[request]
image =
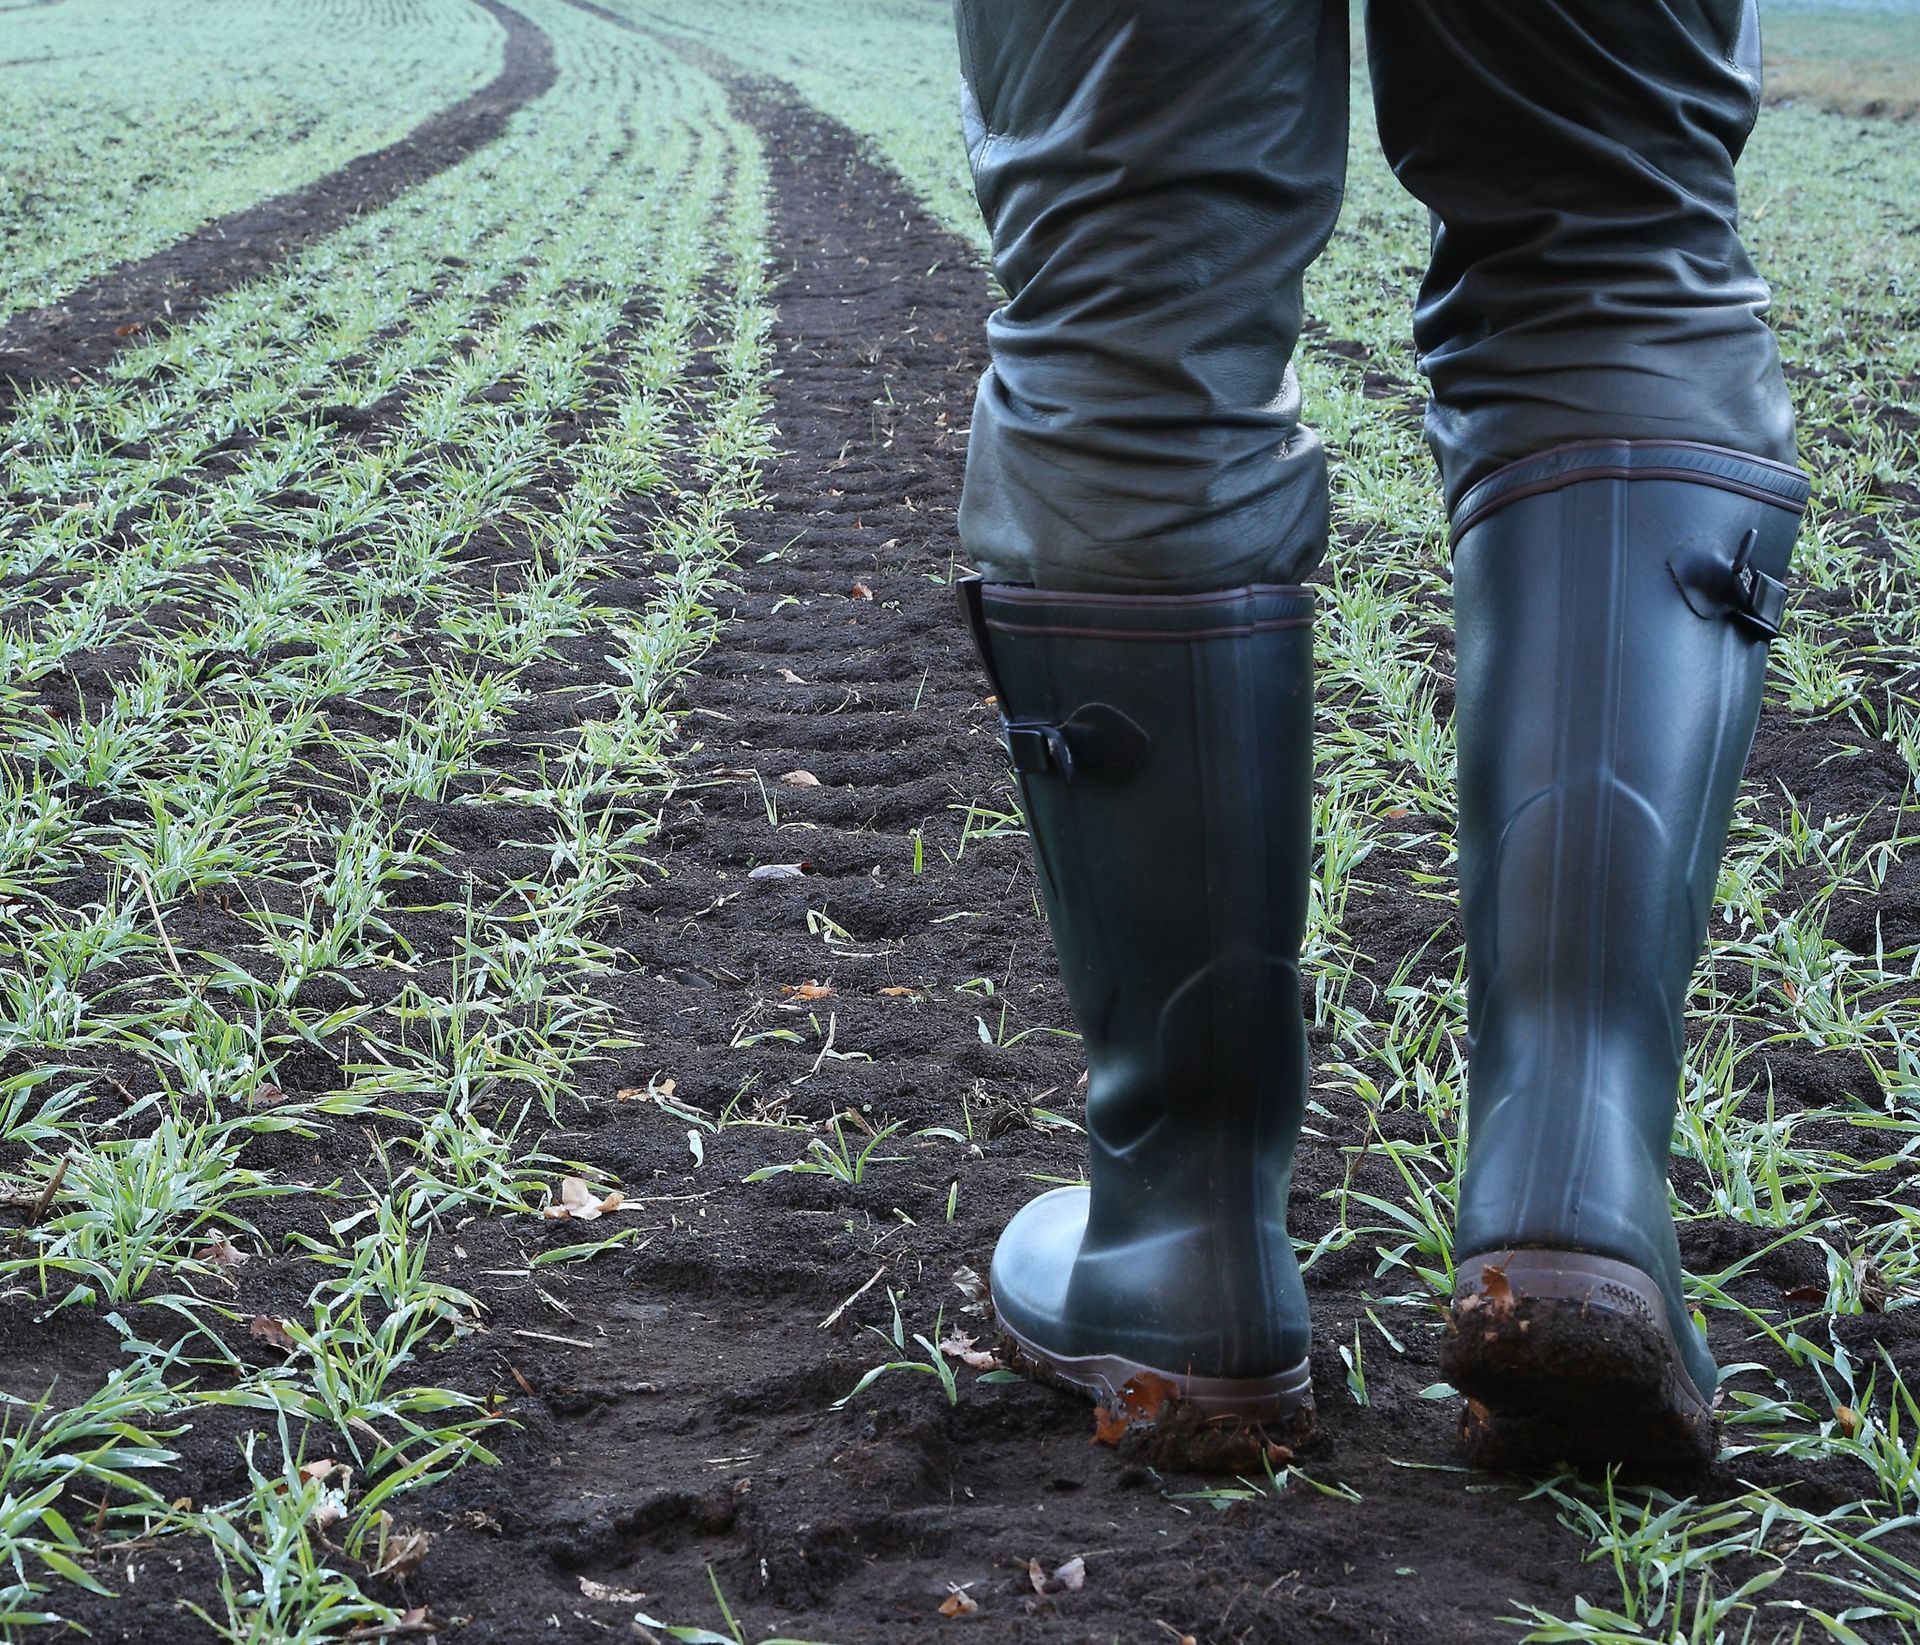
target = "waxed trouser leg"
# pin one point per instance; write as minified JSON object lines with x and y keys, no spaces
{"x":1587,"y":279}
{"x":1156,"y":176}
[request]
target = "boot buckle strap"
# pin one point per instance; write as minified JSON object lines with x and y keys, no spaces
{"x":1038,"y":749}
{"x":1761,"y":601}
{"x":1741,"y":592}
{"x":1095,"y":738}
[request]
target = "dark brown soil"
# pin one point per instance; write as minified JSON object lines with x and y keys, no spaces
{"x":127,"y":304}
{"x":671,"y":1403}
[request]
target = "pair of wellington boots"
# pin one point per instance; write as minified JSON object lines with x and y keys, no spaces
{"x":1613,"y":601}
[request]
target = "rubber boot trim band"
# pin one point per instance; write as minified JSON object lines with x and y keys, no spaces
{"x":1027,"y":594}
{"x":1231,"y":632}
{"x":1760,"y":478}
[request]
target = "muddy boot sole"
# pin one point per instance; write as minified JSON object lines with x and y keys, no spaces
{"x":1206,"y":1424}
{"x":1567,"y":1357}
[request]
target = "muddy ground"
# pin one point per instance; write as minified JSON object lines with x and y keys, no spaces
{"x":669,"y":1406}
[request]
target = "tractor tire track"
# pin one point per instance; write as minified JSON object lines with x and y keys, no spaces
{"x":82,"y":331}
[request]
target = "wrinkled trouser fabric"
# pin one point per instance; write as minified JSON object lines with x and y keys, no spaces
{"x":1158,"y":177}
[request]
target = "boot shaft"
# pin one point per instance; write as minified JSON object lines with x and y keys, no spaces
{"x":1163,"y":751}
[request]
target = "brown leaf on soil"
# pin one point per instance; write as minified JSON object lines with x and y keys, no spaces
{"x":1109,"y":1426}
{"x":225,"y":1255}
{"x":415,"y":1621}
{"x":267,"y":1095}
{"x":633,"y":1093}
{"x":898,"y":993}
{"x":273,"y":1332}
{"x":800,"y":779}
{"x":320,"y":1468}
{"x":579,"y":1202}
{"x":526,"y":1387}
{"x":608,"y":1594}
{"x":406,"y":1550}
{"x":1805,"y":1293}
{"x":1145,"y":1396}
{"x":860,"y":591}
{"x":956,"y":1344}
{"x":808,"y":990}
{"x":1848,"y":1418}
{"x":959,"y":1603}
{"x":972,"y":1286}
{"x":132,"y":328}
{"x":1069,"y":1578}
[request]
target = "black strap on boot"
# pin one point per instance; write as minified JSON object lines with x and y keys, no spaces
{"x":1095,"y":739}
{"x":1714,"y":586}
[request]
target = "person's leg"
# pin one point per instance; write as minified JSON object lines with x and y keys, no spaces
{"x":1156,"y":176}
{"x":1587,"y":279}
{"x":1611,"y":427}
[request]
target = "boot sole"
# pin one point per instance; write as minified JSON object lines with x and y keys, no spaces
{"x":1281,"y":1403}
{"x":1568,"y":1357}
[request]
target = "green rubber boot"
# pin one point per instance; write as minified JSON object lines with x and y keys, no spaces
{"x":1164,"y":755}
{"x":1613,"y":601}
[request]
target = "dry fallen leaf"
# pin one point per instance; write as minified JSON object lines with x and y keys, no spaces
{"x":956,"y":1344}
{"x":633,"y":1093}
{"x":972,"y":1286}
{"x":959,"y":1603}
{"x":273,"y":1332}
{"x":1148,"y":1394}
{"x":225,"y":1255}
{"x":1069,"y":1578}
{"x":1497,"y":1289}
{"x":800,"y":779}
{"x":318,"y":1469}
{"x":606,"y":1592}
{"x":860,"y":591}
{"x":579,"y":1202}
{"x":267,"y":1095}
{"x":1109,"y":1426}
{"x":808,"y":990}
{"x":1848,"y":1418}
{"x":898,"y":993}
{"x":406,"y":1548}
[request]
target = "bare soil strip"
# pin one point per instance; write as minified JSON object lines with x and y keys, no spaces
{"x":82,"y":332}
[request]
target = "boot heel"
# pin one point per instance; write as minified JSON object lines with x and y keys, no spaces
{"x":1565,"y":1356}
{"x":1282,"y":1403}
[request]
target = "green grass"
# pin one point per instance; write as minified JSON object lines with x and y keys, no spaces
{"x":128,"y":123}
{"x":328,"y":641}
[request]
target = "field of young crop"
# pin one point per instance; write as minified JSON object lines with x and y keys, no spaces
{"x":522,"y":1000}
